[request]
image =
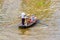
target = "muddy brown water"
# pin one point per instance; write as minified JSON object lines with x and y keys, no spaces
{"x":47,"y":29}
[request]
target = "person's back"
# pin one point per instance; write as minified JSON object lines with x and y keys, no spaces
{"x":23,"y":15}
{"x":32,"y":18}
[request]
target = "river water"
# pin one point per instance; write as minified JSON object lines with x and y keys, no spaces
{"x":44,"y":30}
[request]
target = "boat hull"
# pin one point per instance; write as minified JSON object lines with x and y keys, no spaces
{"x":27,"y":26}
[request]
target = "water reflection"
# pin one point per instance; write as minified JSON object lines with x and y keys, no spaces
{"x":24,"y":31}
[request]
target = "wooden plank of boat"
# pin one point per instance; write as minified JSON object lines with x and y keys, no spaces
{"x":27,"y":26}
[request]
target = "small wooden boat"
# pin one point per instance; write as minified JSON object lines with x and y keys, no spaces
{"x":29,"y":25}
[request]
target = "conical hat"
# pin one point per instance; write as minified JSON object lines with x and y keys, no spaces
{"x":23,"y":13}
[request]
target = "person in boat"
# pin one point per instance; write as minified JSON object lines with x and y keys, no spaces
{"x":23,"y":18}
{"x":30,"y":19}
{"x":27,"y":19}
{"x":33,"y":18}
